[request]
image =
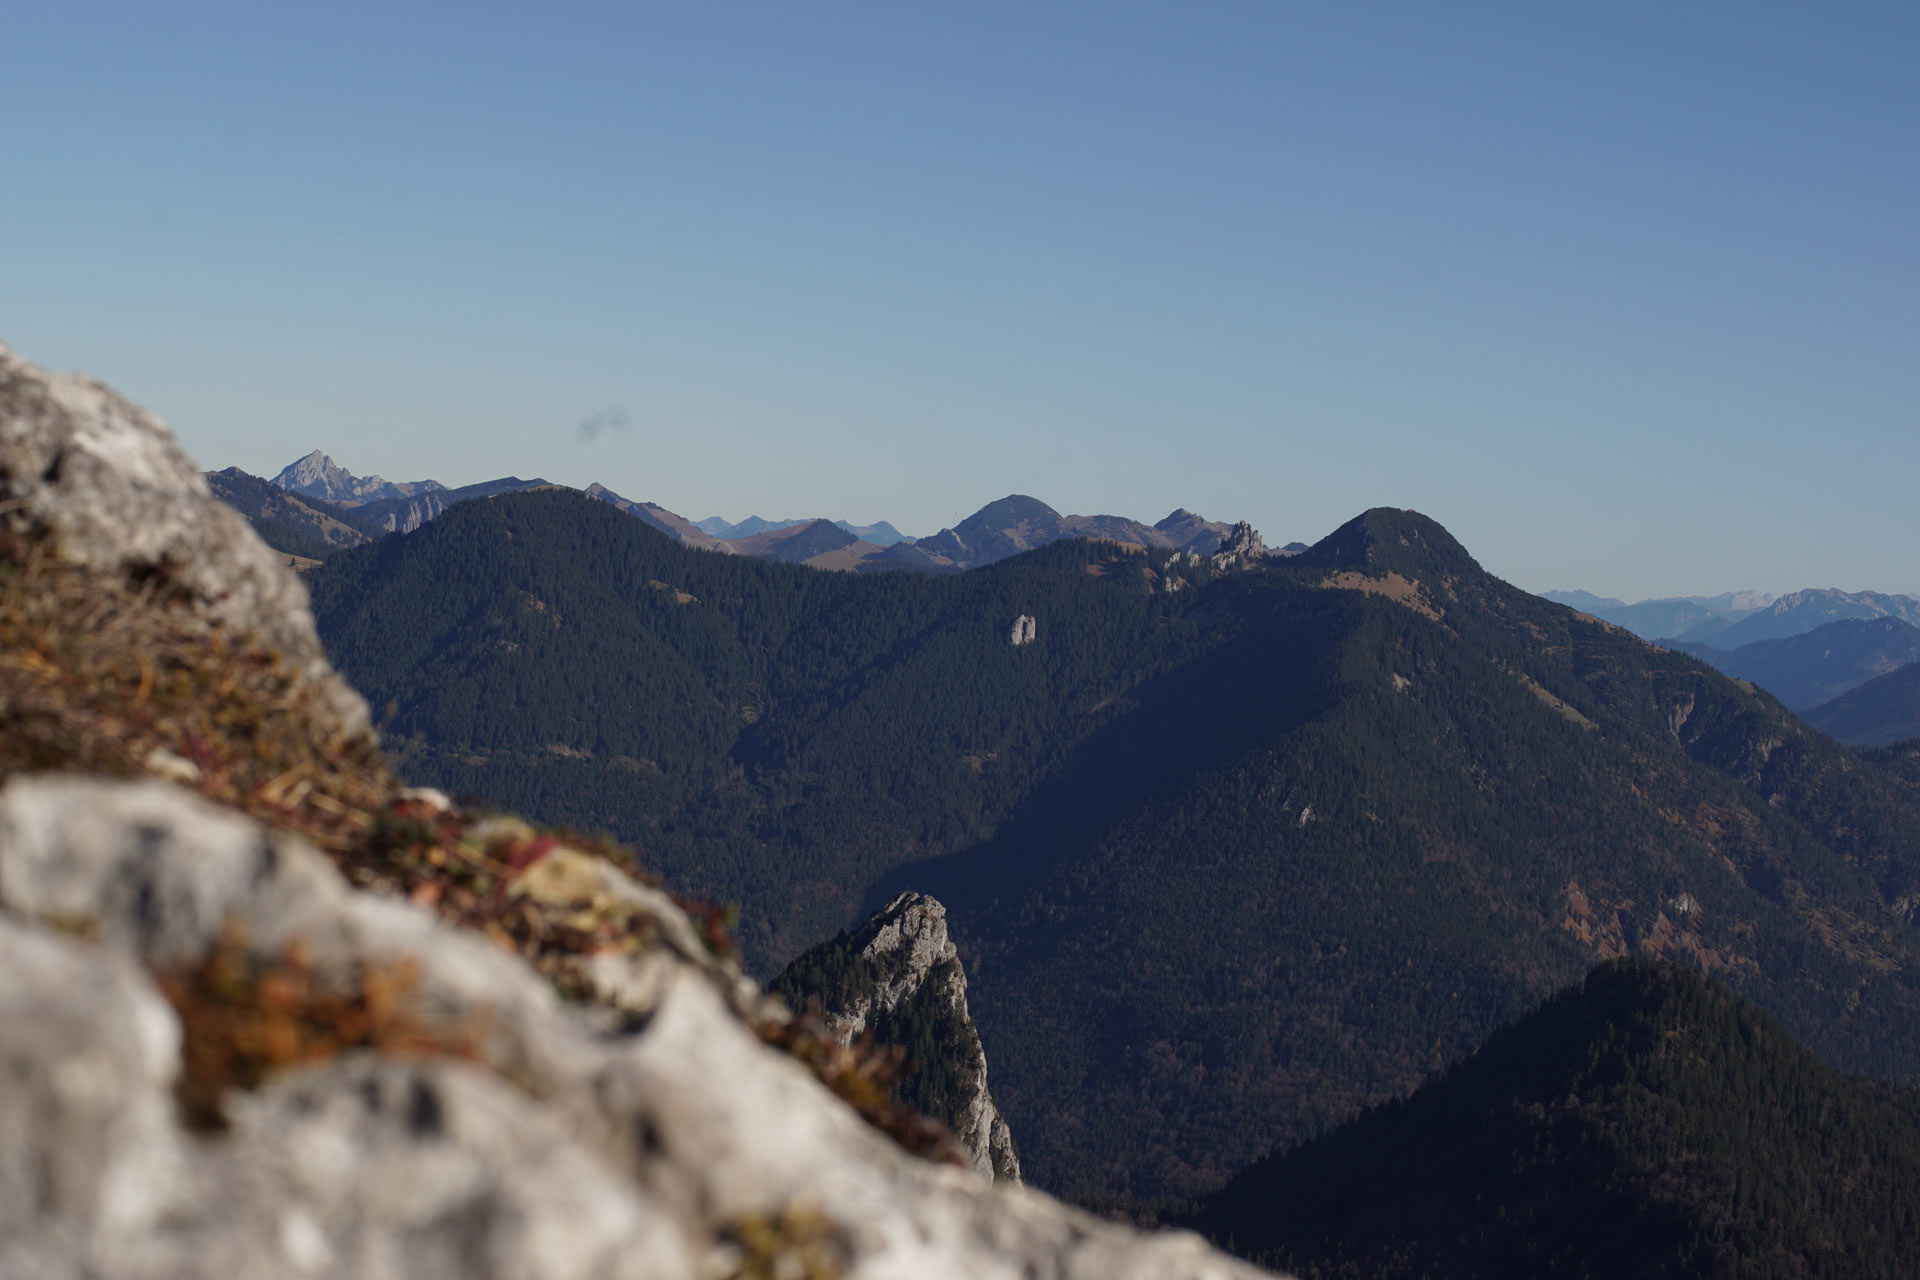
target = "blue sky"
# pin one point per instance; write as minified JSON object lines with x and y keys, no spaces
{"x":1627,"y":296}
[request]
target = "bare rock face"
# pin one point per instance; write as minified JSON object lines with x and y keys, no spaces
{"x":1242,"y":548}
{"x":666,"y":1142}
{"x":318,"y":476}
{"x":1023,"y":631}
{"x":899,"y":977}
{"x":102,"y":483}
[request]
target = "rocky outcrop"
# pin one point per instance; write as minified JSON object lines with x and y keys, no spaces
{"x":360,"y":1034}
{"x":1191,"y":532}
{"x":1242,"y":548}
{"x":318,"y":476}
{"x":525,"y":1137}
{"x":99,"y":483}
{"x":899,"y":978}
{"x":1023,"y":631}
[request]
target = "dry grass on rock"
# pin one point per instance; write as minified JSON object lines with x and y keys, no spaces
{"x":125,"y":679}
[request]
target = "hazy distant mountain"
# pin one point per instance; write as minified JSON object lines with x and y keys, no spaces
{"x":881,"y":534}
{"x":286,"y":521}
{"x":1802,"y":611}
{"x":1190,"y":531}
{"x":1882,"y":711}
{"x":318,"y":476}
{"x":1646,"y":1122}
{"x":801,"y":543}
{"x":746,"y":528}
{"x":1696,"y":617}
{"x":1584,"y":601}
{"x":1806,"y":670}
{"x":376,"y":507}
{"x":1019,"y":523}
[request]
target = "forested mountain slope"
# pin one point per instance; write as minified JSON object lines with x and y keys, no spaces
{"x":1227,"y":862}
{"x":285,"y":520}
{"x":777,"y":735}
{"x":1882,"y":711}
{"x":1817,"y":666}
{"x":1643,"y":1123}
{"x":1393,"y":817}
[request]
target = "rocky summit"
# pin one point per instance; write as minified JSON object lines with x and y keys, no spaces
{"x":318,"y":476}
{"x":266,"y":1012}
{"x":898,"y":979}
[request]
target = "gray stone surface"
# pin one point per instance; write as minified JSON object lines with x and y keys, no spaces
{"x":1242,"y":548}
{"x":361,"y":1167}
{"x":104,"y":479}
{"x":592,"y":1146}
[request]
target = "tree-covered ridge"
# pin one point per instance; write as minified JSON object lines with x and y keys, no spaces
{"x":1882,"y":711}
{"x":1227,"y":863}
{"x":780,"y":735}
{"x":1644,"y":1122}
{"x":286,"y":521}
{"x":1377,"y":836}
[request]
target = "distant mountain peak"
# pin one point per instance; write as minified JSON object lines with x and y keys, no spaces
{"x":319,"y":476}
{"x":1389,"y":540}
{"x":1015,"y":508}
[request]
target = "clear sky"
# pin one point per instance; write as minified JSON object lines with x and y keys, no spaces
{"x":1627,"y":296}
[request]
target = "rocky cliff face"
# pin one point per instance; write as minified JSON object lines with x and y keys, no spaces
{"x":1241,"y":548}
{"x":899,"y":978}
{"x":318,"y":476}
{"x":263,"y":1012}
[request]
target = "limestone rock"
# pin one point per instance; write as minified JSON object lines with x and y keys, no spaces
{"x":1242,"y":548}
{"x":664,"y":1144}
{"x":361,"y":1167}
{"x":102,"y":482}
{"x":1023,"y":632}
{"x":901,"y":974}
{"x":318,"y":476}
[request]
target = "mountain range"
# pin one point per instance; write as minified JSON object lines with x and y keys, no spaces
{"x":1018,"y":523}
{"x":1231,"y":850}
{"x":318,"y":476}
{"x":1881,"y":712}
{"x":1233,"y":847}
{"x":310,"y":529}
{"x":1737,"y":618}
{"x":1817,"y":666}
{"x":880,"y":535}
{"x":321,"y":495}
{"x":1670,"y":616}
